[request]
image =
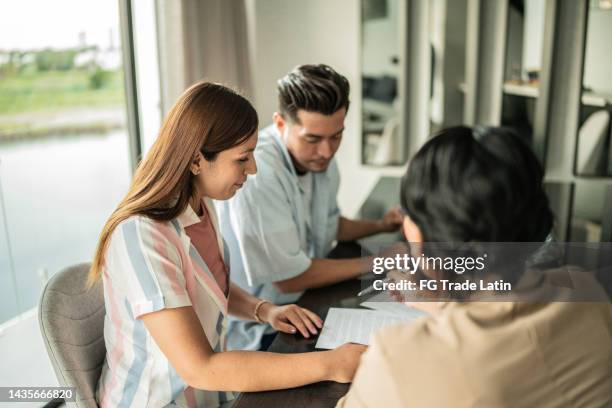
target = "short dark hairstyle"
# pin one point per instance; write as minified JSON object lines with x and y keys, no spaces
{"x":313,"y":88}
{"x":482,"y":184}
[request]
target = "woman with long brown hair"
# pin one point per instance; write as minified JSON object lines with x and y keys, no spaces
{"x":166,"y":285}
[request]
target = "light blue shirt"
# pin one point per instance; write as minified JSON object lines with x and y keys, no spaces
{"x":271,"y":234}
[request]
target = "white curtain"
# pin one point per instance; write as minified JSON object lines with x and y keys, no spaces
{"x":202,"y":39}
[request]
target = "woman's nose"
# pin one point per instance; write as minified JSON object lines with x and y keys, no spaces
{"x":251,"y":167}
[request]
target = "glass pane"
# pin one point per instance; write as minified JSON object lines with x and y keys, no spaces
{"x":560,"y":197}
{"x":588,"y":214}
{"x":380,"y":43}
{"x":63,"y":140}
{"x":9,"y":305}
{"x":523,"y":64}
{"x":448,"y":21}
{"x":593,"y":155}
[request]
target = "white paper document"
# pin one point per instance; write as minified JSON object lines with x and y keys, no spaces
{"x":353,"y":326}
{"x":384,"y":303}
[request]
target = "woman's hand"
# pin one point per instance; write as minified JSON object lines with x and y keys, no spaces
{"x":344,"y":362}
{"x":288,"y":318}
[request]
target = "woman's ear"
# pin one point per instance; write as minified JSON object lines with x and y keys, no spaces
{"x":195,"y":164}
{"x":412,"y":231}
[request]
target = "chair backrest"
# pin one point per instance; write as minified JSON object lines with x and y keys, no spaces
{"x":71,"y":320}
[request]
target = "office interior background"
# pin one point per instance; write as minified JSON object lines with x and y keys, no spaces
{"x":84,"y":86}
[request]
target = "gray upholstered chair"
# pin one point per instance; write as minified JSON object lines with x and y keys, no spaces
{"x":72,"y":324}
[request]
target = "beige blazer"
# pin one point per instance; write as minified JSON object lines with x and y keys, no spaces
{"x":491,"y":354}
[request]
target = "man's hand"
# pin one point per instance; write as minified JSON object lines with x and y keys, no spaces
{"x":392,"y":220}
{"x":429,"y":307}
{"x":345,"y":360}
{"x":289,"y":317}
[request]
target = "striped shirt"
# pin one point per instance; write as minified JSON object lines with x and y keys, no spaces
{"x":151,"y":266}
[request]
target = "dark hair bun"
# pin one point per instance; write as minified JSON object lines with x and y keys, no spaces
{"x":460,"y":189}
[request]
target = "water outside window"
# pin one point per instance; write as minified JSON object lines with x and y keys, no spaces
{"x":63,"y":140}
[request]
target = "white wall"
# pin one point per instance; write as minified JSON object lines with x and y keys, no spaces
{"x":292,"y":32}
{"x":598,"y":58}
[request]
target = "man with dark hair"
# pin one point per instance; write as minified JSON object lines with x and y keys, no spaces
{"x":283,"y":223}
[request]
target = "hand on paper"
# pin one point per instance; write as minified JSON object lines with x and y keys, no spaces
{"x":291,"y":318}
{"x":430,"y":307}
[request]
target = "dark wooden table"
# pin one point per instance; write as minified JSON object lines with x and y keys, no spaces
{"x":319,"y":395}
{"x":384,"y":196}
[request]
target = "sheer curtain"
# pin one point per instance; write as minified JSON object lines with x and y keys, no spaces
{"x":202,"y":39}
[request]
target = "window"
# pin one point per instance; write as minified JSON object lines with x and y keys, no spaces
{"x":64,"y":161}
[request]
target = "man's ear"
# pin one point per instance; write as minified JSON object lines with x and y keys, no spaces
{"x":195,"y":165}
{"x":279,"y":122}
